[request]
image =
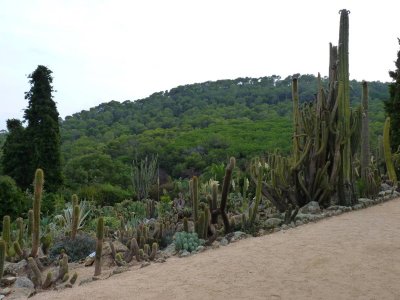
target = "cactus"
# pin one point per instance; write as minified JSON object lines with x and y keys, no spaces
{"x":63,"y":269}
{"x":65,"y":277}
{"x":21,"y":227}
{"x":254,"y":211}
{"x":154,"y":249}
{"x":119,"y":259}
{"x":187,"y":241}
{"x":388,"y":153}
{"x":7,"y":233}
{"x":224,"y":196}
{"x":48,"y":281}
{"x":75,"y":221}
{"x":3,"y":248}
{"x":135,"y":249}
{"x":99,"y":246}
{"x":18,"y":250}
{"x":200,"y":225}
{"x":195,"y":201}
{"x":37,"y":274}
{"x":73,"y":278}
{"x":38,"y":183}
{"x":46,"y":241}
{"x":185,"y":224}
{"x":30,"y":223}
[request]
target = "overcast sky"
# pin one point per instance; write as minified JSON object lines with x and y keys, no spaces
{"x":119,"y":50}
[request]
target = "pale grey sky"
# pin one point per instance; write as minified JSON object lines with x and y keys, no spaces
{"x":119,"y":50}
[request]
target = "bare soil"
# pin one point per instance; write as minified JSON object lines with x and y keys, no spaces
{"x":352,"y":256}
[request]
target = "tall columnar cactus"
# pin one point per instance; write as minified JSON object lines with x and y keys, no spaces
{"x":38,"y":184}
{"x":346,"y":193}
{"x":3,"y":247}
{"x":75,"y":221}
{"x":364,"y":133}
{"x":391,"y":172}
{"x":99,"y":246}
{"x":224,"y":197}
{"x":7,"y":232}
{"x":21,"y":227}
{"x":254,"y":211}
{"x":30,"y":223}
{"x":195,"y":201}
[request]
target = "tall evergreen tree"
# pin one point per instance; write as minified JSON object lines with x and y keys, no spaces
{"x":42,"y":131}
{"x":392,"y":106}
{"x":15,"y":159}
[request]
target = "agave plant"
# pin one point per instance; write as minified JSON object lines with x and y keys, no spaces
{"x":65,"y":220}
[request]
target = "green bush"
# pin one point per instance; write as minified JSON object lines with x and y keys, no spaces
{"x":77,"y":249}
{"x":113,"y":223}
{"x":103,"y":194}
{"x":131,"y":209}
{"x":13,"y":201}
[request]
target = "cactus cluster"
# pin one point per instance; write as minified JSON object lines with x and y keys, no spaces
{"x":187,"y":241}
{"x":326,"y":138}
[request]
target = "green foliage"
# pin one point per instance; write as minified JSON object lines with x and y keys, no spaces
{"x":13,"y":201}
{"x":15,"y":161}
{"x":42,"y":132}
{"x":103,"y":194}
{"x":164,"y":206}
{"x":76,"y":249}
{"x":392,"y":105}
{"x":113,"y":223}
{"x":194,"y":126}
{"x":129,"y":209}
{"x":144,"y":175}
{"x":187,"y":241}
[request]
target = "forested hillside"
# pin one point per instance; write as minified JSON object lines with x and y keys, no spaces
{"x":191,"y":127}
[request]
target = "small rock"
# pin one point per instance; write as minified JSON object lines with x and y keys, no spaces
{"x":89,"y":261}
{"x":284,"y":227}
{"x":385,"y":187}
{"x":8,"y":280}
{"x":215,"y":245}
{"x":299,"y":223}
{"x":276,"y":229}
{"x":15,"y":269}
{"x":365,"y":201}
{"x":200,"y":249}
{"x":272,"y":222}
{"x":358,"y":206}
{"x":119,"y":247}
{"x":5,"y":291}
{"x":122,"y":269}
{"x":224,"y":242}
{"x":161,"y":260}
{"x":184,"y":253}
{"x":311,"y":208}
{"x":145,"y":264}
{"x":2,"y":296}
{"x":238,"y":235}
{"x":20,"y":293}
{"x":23,"y":282}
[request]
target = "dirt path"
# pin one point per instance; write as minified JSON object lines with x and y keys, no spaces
{"x":352,"y":256}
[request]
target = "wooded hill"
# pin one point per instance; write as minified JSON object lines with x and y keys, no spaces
{"x":192,"y":127}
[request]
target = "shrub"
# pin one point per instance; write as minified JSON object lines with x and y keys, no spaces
{"x":13,"y":201}
{"x":77,"y":249}
{"x":103,"y":194}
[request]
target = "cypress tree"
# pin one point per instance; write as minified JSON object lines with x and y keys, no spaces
{"x":392,"y":106}
{"x":42,"y":131}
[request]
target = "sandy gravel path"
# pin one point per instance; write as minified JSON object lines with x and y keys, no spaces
{"x":352,"y":256}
